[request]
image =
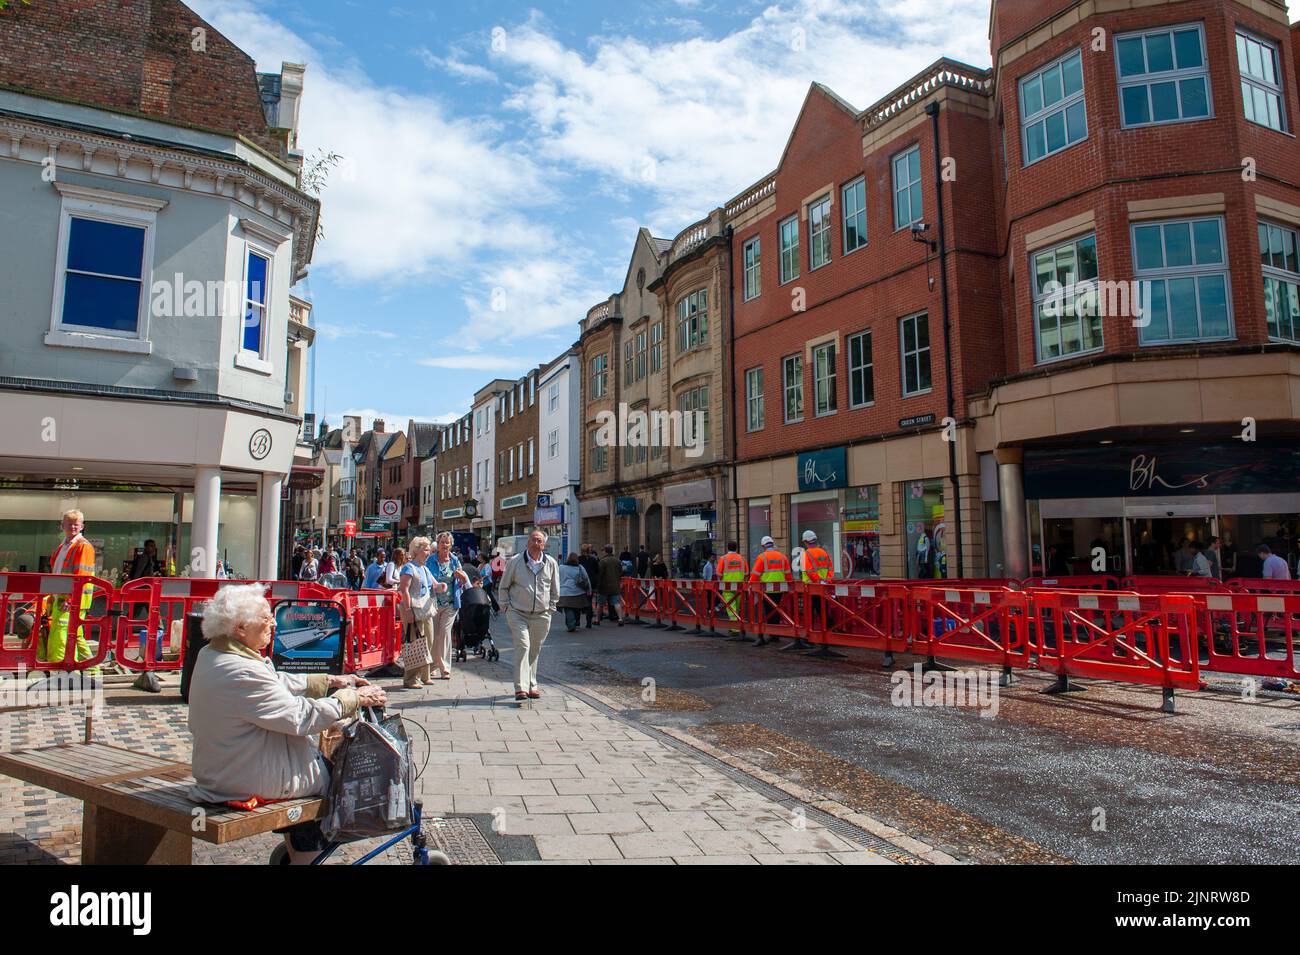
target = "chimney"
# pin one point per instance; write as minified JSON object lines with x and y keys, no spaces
{"x":378,"y":425}
{"x":156,"y":84}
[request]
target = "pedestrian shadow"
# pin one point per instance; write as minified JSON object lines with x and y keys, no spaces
{"x":16,"y":849}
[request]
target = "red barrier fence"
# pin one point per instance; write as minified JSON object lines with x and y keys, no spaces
{"x":141,"y":624}
{"x":1251,"y":634}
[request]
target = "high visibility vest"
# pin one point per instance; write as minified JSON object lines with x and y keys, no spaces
{"x":771,"y":567}
{"x":731,"y":566}
{"x":817,"y":565}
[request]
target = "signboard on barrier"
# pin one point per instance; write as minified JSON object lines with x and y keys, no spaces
{"x":309,"y":637}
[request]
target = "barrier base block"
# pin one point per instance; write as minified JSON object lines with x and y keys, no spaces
{"x":888,"y":662}
{"x":798,"y":645}
{"x":931,"y":665}
{"x":825,"y":652}
{"x":1167,"y":701}
{"x":1063,"y":685}
{"x":676,"y":626}
{"x":1008,"y":678}
{"x":737,"y":636}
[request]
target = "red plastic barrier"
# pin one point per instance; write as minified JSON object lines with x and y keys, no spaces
{"x":1133,"y":638}
{"x":1253,"y":585}
{"x":677,"y":601}
{"x":40,"y":595}
{"x":774,"y":609}
{"x":1253,"y":634}
{"x":374,"y":635}
{"x":1173,"y":584}
{"x":981,"y":624}
{"x":1074,"y":582}
{"x":861,"y":614}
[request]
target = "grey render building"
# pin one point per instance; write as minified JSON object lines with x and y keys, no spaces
{"x":152,"y":223}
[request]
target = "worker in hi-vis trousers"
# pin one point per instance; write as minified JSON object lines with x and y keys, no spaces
{"x":76,"y":556}
{"x":770,"y":567}
{"x":815,"y":567}
{"x":731,"y":569}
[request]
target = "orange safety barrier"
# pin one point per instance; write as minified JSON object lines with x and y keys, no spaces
{"x":374,"y":636}
{"x":678,"y":602}
{"x":1073,"y":582}
{"x":859,"y":614}
{"x":1251,"y":634}
{"x":31,"y":605}
{"x":980,"y":624}
{"x":1148,"y":639}
{"x":715,"y":600}
{"x":774,"y":609}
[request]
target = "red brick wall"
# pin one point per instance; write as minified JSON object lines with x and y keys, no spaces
{"x":132,"y":56}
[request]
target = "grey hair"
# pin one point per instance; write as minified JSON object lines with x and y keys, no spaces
{"x":232,"y":606}
{"x":447,"y":535}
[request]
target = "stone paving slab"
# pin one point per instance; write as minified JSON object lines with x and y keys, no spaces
{"x":578,"y":785}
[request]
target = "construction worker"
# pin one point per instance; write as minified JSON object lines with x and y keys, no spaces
{"x":76,"y":556}
{"x":815,"y":567}
{"x":770,"y":567}
{"x":731,"y":569}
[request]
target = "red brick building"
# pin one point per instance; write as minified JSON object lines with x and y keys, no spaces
{"x":1116,"y":206}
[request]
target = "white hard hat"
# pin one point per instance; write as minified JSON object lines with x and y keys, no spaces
{"x":809,"y":536}
{"x":767,"y":542}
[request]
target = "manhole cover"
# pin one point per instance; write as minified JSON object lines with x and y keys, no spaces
{"x":461,"y":839}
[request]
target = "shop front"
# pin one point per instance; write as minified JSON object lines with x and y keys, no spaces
{"x":925,"y":533}
{"x":1129,"y":508}
{"x":594,"y":517}
{"x":693,"y":525}
{"x":550,"y":518}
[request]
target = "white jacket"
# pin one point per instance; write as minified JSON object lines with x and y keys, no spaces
{"x":523,"y":591}
{"x":254,"y":728}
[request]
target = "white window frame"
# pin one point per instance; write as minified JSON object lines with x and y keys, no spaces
{"x":824,"y":385}
{"x":1175,"y":76}
{"x":788,"y":255}
{"x":918,"y":215}
{"x":258,"y":361}
{"x":787,"y":387}
{"x":1044,"y":113}
{"x":868,"y":366}
{"x":531,"y":457}
{"x":1249,"y":80}
{"x":819,"y":231}
{"x":553,"y":444}
{"x":117,"y":209}
{"x":1282,"y":275}
{"x":1082,"y":286}
{"x":755,"y":409}
{"x":553,"y":398}
{"x":850,"y":212}
{"x":752,"y":286}
{"x":1195,"y":271}
{"x":904,"y":353}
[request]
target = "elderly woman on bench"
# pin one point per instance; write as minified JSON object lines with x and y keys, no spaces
{"x":255,"y":729}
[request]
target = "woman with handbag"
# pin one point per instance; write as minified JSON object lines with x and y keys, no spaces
{"x":416,"y":588}
{"x":446,"y":571}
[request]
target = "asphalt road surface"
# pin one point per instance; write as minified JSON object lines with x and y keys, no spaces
{"x":1100,"y":776}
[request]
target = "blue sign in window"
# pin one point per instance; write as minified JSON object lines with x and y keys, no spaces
{"x":823,"y":470}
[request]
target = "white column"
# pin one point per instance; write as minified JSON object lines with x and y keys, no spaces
{"x":268,"y":537}
{"x":203,"y":527}
{"x":1011,"y":501}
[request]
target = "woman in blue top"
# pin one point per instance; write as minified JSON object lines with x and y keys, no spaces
{"x":444,"y":567}
{"x":417,"y":591}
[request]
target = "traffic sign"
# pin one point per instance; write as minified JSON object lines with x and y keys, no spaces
{"x":390,"y":509}
{"x":349,"y":528}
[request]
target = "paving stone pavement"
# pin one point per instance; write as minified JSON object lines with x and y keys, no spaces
{"x":552,"y":781}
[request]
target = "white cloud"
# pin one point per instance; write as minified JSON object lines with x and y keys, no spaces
{"x":455,"y":66}
{"x":480,"y":361}
{"x":333,"y":332}
{"x":393,"y":422}
{"x":694,"y":121}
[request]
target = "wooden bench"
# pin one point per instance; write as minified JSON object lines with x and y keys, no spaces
{"x":137,"y":807}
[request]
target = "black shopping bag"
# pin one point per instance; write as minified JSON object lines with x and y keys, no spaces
{"x":370,"y":786}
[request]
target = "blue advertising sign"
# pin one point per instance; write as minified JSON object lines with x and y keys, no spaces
{"x":624,"y":505}
{"x":549,"y":515}
{"x":308,"y":637}
{"x":823,"y":470}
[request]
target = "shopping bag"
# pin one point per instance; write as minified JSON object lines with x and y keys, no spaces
{"x":370,"y":785}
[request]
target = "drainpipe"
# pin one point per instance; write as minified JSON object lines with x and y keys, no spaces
{"x":734,"y":534}
{"x":932,"y":109}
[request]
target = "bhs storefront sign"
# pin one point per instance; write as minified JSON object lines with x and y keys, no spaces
{"x":823,"y":470}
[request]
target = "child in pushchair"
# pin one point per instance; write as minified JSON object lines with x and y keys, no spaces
{"x":471,"y":631}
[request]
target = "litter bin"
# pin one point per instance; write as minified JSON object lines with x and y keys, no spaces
{"x":194,"y":642}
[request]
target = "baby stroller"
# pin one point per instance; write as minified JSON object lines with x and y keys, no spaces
{"x":471,"y":632}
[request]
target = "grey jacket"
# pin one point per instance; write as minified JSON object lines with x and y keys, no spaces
{"x":525,"y":592}
{"x":573,"y":581}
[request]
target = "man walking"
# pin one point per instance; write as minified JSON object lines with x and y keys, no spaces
{"x":815,"y":567}
{"x":609,"y":586}
{"x":642,"y":562}
{"x":1275,"y":567}
{"x":76,"y":556}
{"x":731,"y":571}
{"x":530,"y":590}
{"x":770,"y":567}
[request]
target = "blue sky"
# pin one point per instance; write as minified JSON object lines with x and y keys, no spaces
{"x":499,"y":158}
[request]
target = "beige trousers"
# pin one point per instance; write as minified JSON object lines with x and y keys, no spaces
{"x":529,"y":631}
{"x":440,"y":641}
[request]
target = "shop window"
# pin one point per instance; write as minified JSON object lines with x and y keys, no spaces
{"x":758,"y":522}
{"x":907,"y":188}
{"x":862,"y":386}
{"x":1163,"y":76}
{"x":1066,"y":318}
{"x":925,"y":532}
{"x":1261,"y":81}
{"x":754,"y":399}
{"x":819,"y":512}
{"x":861,"y":531}
{"x":753,"y":261}
{"x":1183,"y":274}
{"x":854,"y":201}
{"x":819,"y":233}
{"x":824,"y":400}
{"x":914,"y":337}
{"x":1053,"y":115}
{"x":1279,"y":252}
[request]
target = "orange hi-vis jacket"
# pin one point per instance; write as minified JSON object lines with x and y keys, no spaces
{"x":80,"y":559}
{"x":771,"y":566}
{"x":731,"y":563}
{"x":817,"y":564}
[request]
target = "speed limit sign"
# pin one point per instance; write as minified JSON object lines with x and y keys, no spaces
{"x":390,"y":508}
